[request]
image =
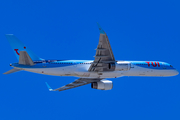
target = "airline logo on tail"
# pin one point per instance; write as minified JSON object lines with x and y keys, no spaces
{"x":17,"y":50}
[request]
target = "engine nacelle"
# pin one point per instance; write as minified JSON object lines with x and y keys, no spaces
{"x":111,"y":66}
{"x":102,"y":85}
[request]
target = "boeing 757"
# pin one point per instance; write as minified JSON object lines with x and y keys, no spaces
{"x":94,"y":72}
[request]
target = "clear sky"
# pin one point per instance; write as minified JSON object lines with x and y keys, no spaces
{"x":56,"y":29}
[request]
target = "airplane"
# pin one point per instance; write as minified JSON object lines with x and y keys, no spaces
{"x":94,"y":72}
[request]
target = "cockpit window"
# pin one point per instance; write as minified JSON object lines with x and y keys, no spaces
{"x":171,"y":66}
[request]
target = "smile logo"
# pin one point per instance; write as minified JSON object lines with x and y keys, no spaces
{"x":17,"y":50}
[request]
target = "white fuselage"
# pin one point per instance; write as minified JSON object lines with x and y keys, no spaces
{"x":80,"y":69}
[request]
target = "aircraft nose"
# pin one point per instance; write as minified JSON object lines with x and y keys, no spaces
{"x":176,"y":72}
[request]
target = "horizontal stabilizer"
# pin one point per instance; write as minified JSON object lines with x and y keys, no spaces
{"x":12,"y":71}
{"x":24,"y":58}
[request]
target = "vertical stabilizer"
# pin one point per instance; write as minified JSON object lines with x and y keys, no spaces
{"x":18,"y":46}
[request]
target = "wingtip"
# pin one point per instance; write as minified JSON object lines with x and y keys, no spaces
{"x":100,"y":29}
{"x":50,"y":89}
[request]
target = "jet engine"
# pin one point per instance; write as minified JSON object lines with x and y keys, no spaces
{"x":102,"y":85}
{"x":112,"y":66}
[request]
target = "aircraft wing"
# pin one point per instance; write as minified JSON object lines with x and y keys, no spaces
{"x":104,"y":58}
{"x":76,"y":83}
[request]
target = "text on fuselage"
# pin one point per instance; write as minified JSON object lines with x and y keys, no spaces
{"x":154,"y":64}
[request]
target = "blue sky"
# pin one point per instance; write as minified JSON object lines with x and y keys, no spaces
{"x":137,"y":30}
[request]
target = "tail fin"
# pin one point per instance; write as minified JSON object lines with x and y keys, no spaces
{"x":18,"y":46}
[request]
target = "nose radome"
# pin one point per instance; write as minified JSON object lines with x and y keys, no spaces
{"x":176,"y":72}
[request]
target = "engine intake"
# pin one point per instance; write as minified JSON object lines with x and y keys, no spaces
{"x":102,"y":85}
{"x":112,"y":66}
